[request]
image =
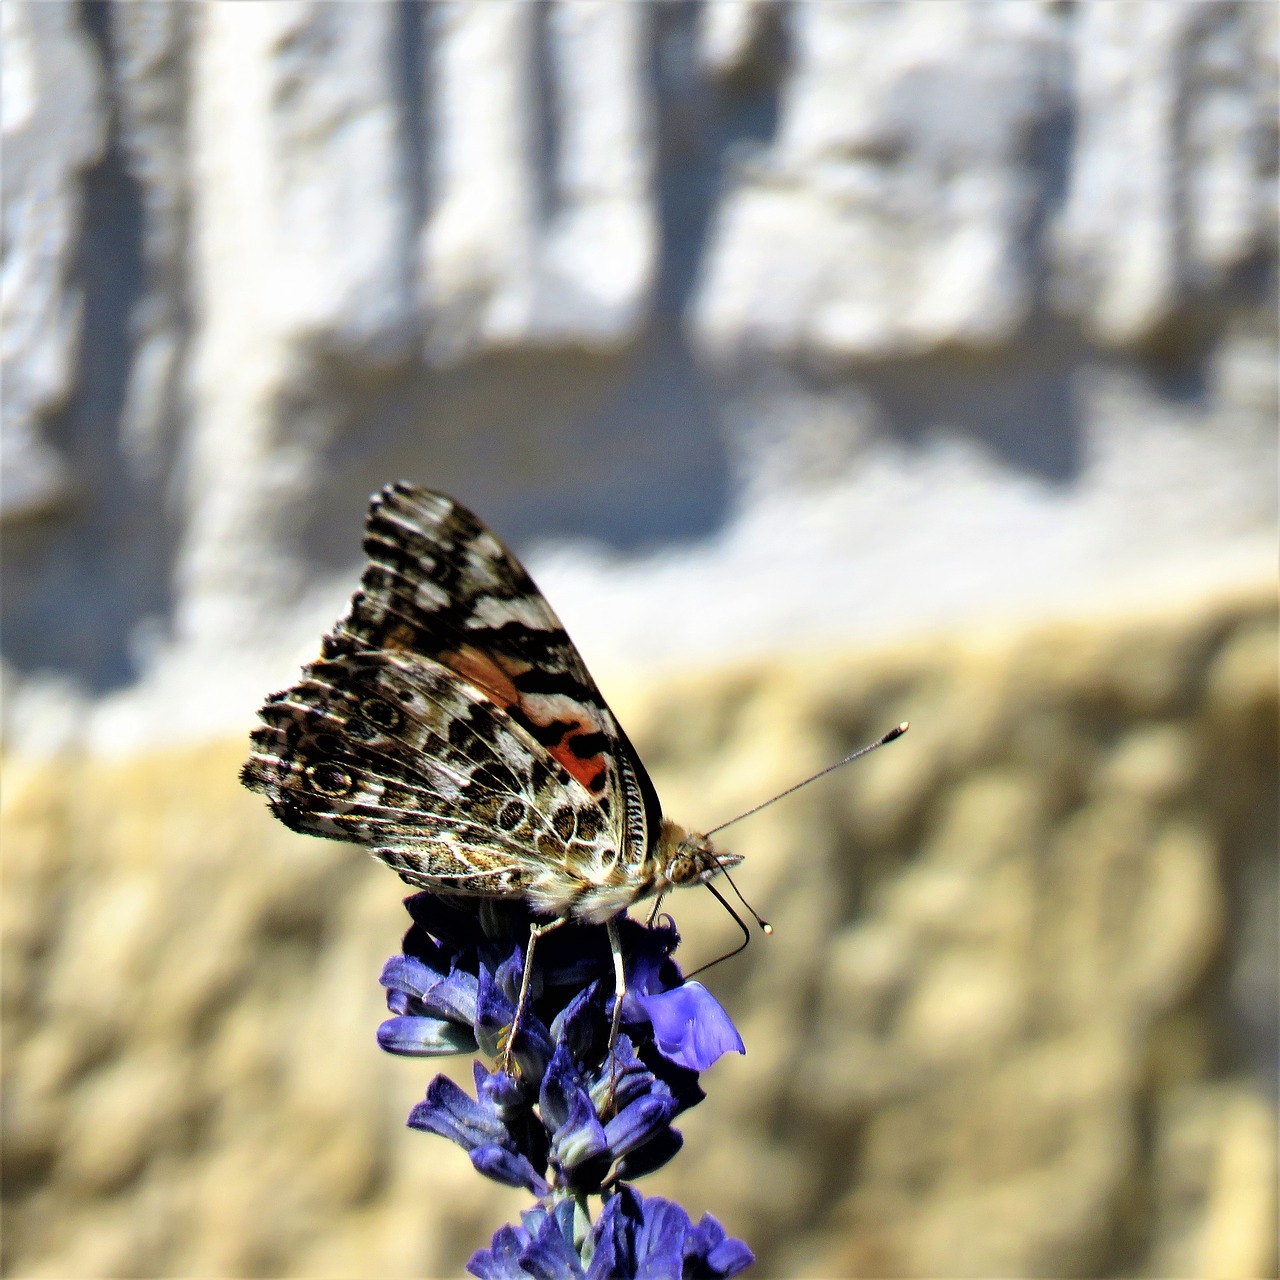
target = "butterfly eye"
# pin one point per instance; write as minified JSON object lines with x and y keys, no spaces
{"x":329,"y":780}
{"x":683,"y":870}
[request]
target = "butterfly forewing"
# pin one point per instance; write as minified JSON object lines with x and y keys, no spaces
{"x":452,"y":727}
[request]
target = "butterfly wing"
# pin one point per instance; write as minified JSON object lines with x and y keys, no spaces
{"x":440,"y":585}
{"x":396,"y":753}
{"x":451,"y":726}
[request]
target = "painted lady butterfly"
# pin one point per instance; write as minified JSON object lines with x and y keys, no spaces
{"x":451,"y":726}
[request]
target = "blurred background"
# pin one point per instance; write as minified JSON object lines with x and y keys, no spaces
{"x":831,"y":364}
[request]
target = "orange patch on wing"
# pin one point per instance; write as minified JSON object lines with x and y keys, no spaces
{"x":586,"y":771}
{"x":488,"y":675}
{"x":480,"y":670}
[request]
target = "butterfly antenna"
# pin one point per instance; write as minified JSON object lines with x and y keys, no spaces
{"x":896,"y":732}
{"x":765,"y":927}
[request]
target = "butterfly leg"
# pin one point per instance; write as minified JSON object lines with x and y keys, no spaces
{"x":657,"y":906}
{"x":619,"y":981}
{"x":619,"y":991}
{"x":536,"y":931}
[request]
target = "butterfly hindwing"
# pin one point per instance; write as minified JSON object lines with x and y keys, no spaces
{"x":394,"y":752}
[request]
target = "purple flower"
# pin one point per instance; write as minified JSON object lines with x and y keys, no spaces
{"x":596,"y":1120}
{"x":576,"y":1117}
{"x":632,"y":1238}
{"x":690,"y":1026}
{"x":435,"y":1013}
{"x":542,"y":1246}
{"x":490,"y":1128}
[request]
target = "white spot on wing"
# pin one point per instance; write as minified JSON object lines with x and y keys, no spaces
{"x":492,"y":611}
{"x":428,"y":595}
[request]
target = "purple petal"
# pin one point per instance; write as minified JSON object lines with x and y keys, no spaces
{"x":453,"y":998}
{"x":501,"y":1260}
{"x":451,"y":1113}
{"x":653,"y":1155}
{"x":540,"y":1248}
{"x":690,"y":1026}
{"x":425,"y":1037}
{"x":638,"y":1123}
{"x":660,"y":1238}
{"x":574,"y":1023}
{"x":497,"y":1088}
{"x":720,"y":1255}
{"x":622,"y":1078}
{"x":581,"y":1137}
{"x":561,"y":1085}
{"x":508,"y":1167}
{"x":404,"y":973}
{"x":639,"y":1238}
{"x":494,"y":1014}
{"x":614,"y":1236}
{"x":551,"y":1256}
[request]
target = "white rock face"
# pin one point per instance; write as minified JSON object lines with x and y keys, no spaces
{"x":895,"y":214}
{"x":1172,"y":188}
{"x":51,"y":119}
{"x":749,"y":324}
{"x":498,"y":270}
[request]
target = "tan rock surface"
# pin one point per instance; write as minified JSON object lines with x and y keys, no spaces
{"x":1015,"y":1019}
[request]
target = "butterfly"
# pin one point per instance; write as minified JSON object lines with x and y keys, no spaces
{"x":451,"y":727}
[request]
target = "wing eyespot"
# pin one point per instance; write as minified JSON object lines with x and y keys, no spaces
{"x":511,"y":815}
{"x":329,"y":779}
{"x":381,"y":713}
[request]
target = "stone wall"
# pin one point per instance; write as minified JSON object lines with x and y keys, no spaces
{"x":831,"y":364}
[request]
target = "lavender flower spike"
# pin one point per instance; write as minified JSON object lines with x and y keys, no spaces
{"x":578,"y":1117}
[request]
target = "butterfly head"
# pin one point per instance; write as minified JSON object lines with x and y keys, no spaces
{"x":691,"y":859}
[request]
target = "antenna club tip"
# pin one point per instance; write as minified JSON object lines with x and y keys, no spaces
{"x":767,"y":929}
